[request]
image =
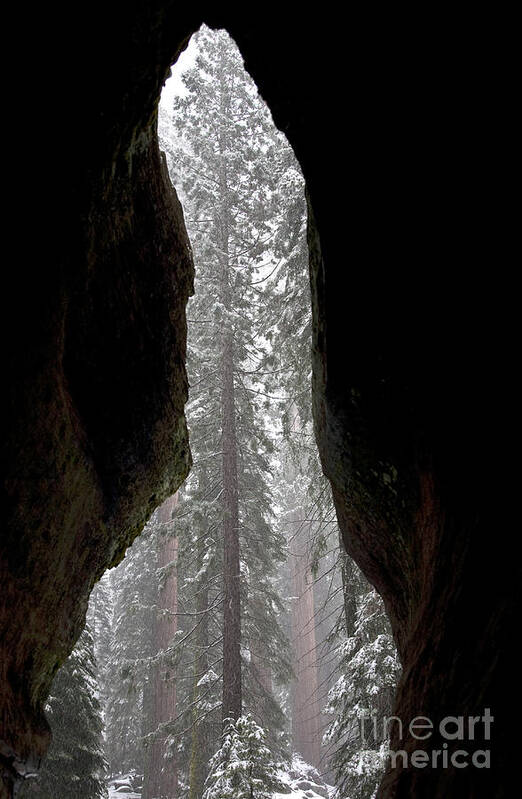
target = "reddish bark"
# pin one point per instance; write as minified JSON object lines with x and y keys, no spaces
{"x":161,"y":777}
{"x":232,"y":699}
{"x":306,"y":722}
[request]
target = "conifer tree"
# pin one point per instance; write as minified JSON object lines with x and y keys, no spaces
{"x":362,"y":697}
{"x":200,"y":602}
{"x":160,"y":780}
{"x":100,"y":621}
{"x":243,"y":767}
{"x":75,"y":764}
{"x":128,"y":672}
{"x":223,"y":163}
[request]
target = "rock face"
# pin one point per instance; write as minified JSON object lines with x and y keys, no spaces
{"x":407,"y":370}
{"x":95,"y":438}
{"x":400,"y":421}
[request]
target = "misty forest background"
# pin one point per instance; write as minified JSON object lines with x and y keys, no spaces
{"x":236,"y":648}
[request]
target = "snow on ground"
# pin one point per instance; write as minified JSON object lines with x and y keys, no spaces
{"x":304,"y":789}
{"x":124,"y":787}
{"x":121,"y":793}
{"x":301,"y":781}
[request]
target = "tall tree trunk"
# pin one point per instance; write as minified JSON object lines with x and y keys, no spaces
{"x":306,"y":722}
{"x":161,"y":776}
{"x":232,"y":700}
{"x":201,"y":746}
{"x":262,"y":674}
{"x":232,"y":692}
{"x":261,"y":666}
{"x":349,"y":588}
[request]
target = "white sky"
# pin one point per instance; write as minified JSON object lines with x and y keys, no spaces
{"x":173,"y":86}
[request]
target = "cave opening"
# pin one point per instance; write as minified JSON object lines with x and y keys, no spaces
{"x":237,"y":609}
{"x":403,"y":117}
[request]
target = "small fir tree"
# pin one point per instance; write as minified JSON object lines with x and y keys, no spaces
{"x":128,"y":668}
{"x":75,"y":765}
{"x":243,"y":768}
{"x":362,"y":698}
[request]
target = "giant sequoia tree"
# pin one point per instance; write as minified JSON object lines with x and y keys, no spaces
{"x":224,"y":162}
{"x":161,"y":770}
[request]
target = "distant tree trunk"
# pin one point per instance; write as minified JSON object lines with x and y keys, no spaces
{"x":161,"y":777}
{"x":261,"y":671}
{"x":201,"y":749}
{"x":306,"y":722}
{"x":349,"y":588}
{"x":261,"y":666}
{"x":232,"y":699}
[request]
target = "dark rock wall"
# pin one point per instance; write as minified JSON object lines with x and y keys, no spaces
{"x":95,"y":436}
{"x":390,"y":117}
